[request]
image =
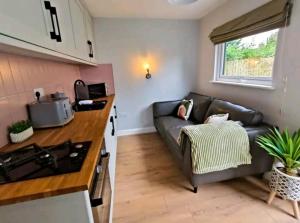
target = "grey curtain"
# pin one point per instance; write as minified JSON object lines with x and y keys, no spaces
{"x":274,"y":14}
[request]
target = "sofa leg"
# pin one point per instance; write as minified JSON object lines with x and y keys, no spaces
{"x":195,"y":190}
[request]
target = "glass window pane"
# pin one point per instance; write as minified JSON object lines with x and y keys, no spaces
{"x":251,"y":57}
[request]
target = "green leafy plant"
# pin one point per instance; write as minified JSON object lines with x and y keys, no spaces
{"x":237,"y":50}
{"x":284,"y":146}
{"x":19,"y":126}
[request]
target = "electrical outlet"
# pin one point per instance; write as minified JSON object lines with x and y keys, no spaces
{"x":41,"y":90}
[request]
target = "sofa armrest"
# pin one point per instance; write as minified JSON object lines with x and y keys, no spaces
{"x":255,"y":131}
{"x":165,"y":108}
{"x":260,"y":158}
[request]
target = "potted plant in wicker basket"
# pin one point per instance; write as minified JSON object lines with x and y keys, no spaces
{"x":285,"y":181}
{"x":20,"y":131}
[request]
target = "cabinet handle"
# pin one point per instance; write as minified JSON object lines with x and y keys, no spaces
{"x":53,"y":12}
{"x":92,"y":50}
{"x":49,"y":7}
{"x":58,"y":37}
{"x":91,"y":54}
{"x":113,"y":125}
{"x":116,"y":114}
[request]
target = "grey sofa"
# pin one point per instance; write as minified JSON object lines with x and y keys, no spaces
{"x":168,"y":126}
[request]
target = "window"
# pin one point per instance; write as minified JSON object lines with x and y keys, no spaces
{"x":248,"y":60}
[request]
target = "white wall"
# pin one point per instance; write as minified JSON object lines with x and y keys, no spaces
{"x":171,"y":48}
{"x":279,"y":107}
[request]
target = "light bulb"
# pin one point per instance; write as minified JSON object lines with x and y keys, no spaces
{"x":147,"y":66}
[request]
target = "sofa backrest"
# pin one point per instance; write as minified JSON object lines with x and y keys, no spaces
{"x":248,"y":117}
{"x":201,"y":104}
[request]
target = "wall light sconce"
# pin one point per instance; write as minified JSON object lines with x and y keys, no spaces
{"x":147,"y":68}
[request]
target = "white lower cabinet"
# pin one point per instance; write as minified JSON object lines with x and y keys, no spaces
{"x":67,"y":208}
{"x":111,"y":147}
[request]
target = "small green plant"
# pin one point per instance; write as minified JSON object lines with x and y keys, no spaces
{"x":284,"y":146}
{"x":19,"y":126}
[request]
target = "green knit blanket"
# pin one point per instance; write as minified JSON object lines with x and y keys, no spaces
{"x":216,"y":147}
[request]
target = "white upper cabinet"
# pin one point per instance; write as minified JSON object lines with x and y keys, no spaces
{"x":90,"y":34}
{"x":79,"y":29}
{"x":64,"y":23}
{"x":58,"y":28}
{"x":26,"y":21}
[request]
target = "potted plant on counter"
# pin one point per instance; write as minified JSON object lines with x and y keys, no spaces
{"x":285,"y":180}
{"x":20,"y":131}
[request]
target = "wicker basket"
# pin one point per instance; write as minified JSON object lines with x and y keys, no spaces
{"x":22,"y":136}
{"x":288,"y":187}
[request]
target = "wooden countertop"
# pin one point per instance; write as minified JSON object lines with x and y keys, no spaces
{"x":86,"y":126}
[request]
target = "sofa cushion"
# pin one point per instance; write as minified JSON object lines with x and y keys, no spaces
{"x":168,"y":122}
{"x":165,"y":108}
{"x":171,"y":125}
{"x":201,"y":104}
{"x":247,"y":116}
{"x":174,"y":133}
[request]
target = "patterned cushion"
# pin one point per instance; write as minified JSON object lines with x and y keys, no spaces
{"x":185,"y":109}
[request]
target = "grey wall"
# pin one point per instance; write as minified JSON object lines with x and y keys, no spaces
{"x":171,"y":48}
{"x":279,"y":107}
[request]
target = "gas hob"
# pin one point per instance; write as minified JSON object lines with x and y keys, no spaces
{"x":33,"y":161}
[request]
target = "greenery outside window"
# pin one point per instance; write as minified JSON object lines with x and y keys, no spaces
{"x":248,"y":60}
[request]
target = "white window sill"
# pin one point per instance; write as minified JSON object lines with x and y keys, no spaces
{"x":264,"y":87}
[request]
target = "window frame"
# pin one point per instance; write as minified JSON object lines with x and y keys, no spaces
{"x":240,"y":80}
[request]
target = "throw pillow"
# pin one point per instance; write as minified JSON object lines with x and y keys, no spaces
{"x":239,"y":123}
{"x":219,"y":118}
{"x":185,"y":109}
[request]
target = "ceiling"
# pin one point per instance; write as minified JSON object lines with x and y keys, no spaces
{"x":159,"y":9}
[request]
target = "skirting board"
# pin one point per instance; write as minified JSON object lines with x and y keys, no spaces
{"x":136,"y":131}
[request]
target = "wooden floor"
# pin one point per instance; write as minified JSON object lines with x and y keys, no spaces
{"x":150,"y":188}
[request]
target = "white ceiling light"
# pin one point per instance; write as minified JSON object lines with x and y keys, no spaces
{"x":181,"y":2}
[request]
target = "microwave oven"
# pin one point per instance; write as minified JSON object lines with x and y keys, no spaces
{"x":97,"y":90}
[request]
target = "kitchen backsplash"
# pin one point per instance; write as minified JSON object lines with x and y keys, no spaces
{"x":101,"y":73}
{"x":19,"y":75}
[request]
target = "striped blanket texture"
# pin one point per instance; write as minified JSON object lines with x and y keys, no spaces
{"x":216,"y":147}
